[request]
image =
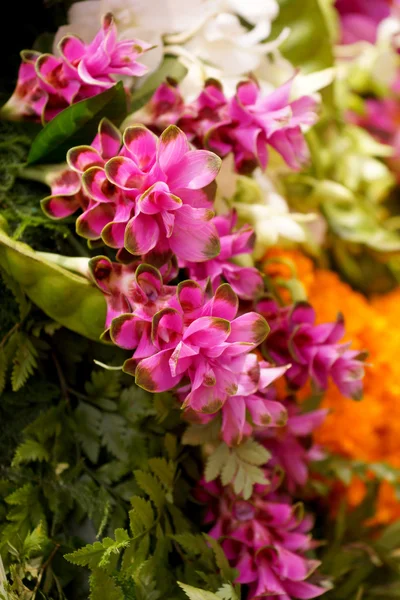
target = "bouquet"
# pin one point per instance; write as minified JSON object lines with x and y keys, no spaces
{"x":200,"y":267}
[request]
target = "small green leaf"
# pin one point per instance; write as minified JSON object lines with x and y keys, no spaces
{"x":29,"y":451}
{"x":240,"y":466}
{"x":35,"y":541}
{"x":88,"y":556}
{"x":24,"y":362}
{"x":103,"y":586}
{"x":163,"y":470}
{"x":141,"y":516}
{"x":151,"y":486}
{"x":197,"y":594}
{"x":77,"y":125}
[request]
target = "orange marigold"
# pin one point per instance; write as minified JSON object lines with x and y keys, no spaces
{"x":370,"y":430}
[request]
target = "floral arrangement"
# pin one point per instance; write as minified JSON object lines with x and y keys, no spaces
{"x":200,"y":267}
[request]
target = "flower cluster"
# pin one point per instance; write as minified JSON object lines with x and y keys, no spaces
{"x":47,"y":84}
{"x":265,"y":538}
{"x":153,"y":195}
{"x":245,"y":124}
{"x":369,"y":324}
{"x":313,"y":350}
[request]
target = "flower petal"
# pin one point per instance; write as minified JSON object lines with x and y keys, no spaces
{"x":194,"y":171}
{"x":250,"y":327}
{"x":141,"y":144}
{"x":141,"y":234}
{"x":194,"y":237}
{"x":172,"y":146}
{"x":154,"y":374}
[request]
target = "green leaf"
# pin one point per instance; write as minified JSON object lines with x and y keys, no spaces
{"x":216,"y":462}
{"x":170,"y":68}
{"x":197,"y":594}
{"x":197,"y":435}
{"x":35,"y":541}
{"x":3,"y":369}
{"x":227,"y":572}
{"x":310,"y":41}
{"x":152,"y":487}
{"x":77,"y":125}
{"x":195,"y":545}
{"x":99,"y":553}
{"x":29,"y":451}
{"x":163,"y":470}
{"x":103,"y":586}
{"x":141,"y":516}
{"x":65,"y":297}
{"x":239,"y":465}
{"x":24,"y":362}
{"x":88,"y":556}
{"x":227,"y":592}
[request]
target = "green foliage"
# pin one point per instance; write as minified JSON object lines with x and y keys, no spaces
{"x":312,"y":26}
{"x":66,"y":297}
{"x":77,"y":125}
{"x":239,"y":466}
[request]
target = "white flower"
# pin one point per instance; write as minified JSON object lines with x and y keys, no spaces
{"x":270,"y":217}
{"x":148,"y":20}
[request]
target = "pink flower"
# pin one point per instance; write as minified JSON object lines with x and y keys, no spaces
{"x":261,"y":121}
{"x":47,"y":84}
{"x":265,"y":538}
{"x":67,"y":195}
{"x":381,"y":118}
{"x":153,"y":197}
{"x":289,"y":446}
{"x":245,"y":124}
{"x":251,"y":409}
{"x":197,"y":339}
{"x":313,"y":350}
{"x":360,"y":19}
{"x":246,"y":282}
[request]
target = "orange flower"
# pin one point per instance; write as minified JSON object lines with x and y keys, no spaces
{"x":369,"y":430}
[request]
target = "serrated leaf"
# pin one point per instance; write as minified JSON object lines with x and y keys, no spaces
{"x":227,"y":592}
{"x":141,"y":516}
{"x":24,"y":362}
{"x":222,"y":562}
{"x":252,"y":452}
{"x":77,"y":125}
{"x":239,"y":465}
{"x":152,"y":487}
{"x":88,"y":556}
{"x":196,"y":593}
{"x":103,"y":586}
{"x":163,"y":470}
{"x":216,"y":462}
{"x":35,"y":541}
{"x":65,"y":297}
{"x":29,"y":451}
{"x":88,"y":420}
{"x":228,"y":470}
{"x":99,"y":553}
{"x":193,"y":544}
